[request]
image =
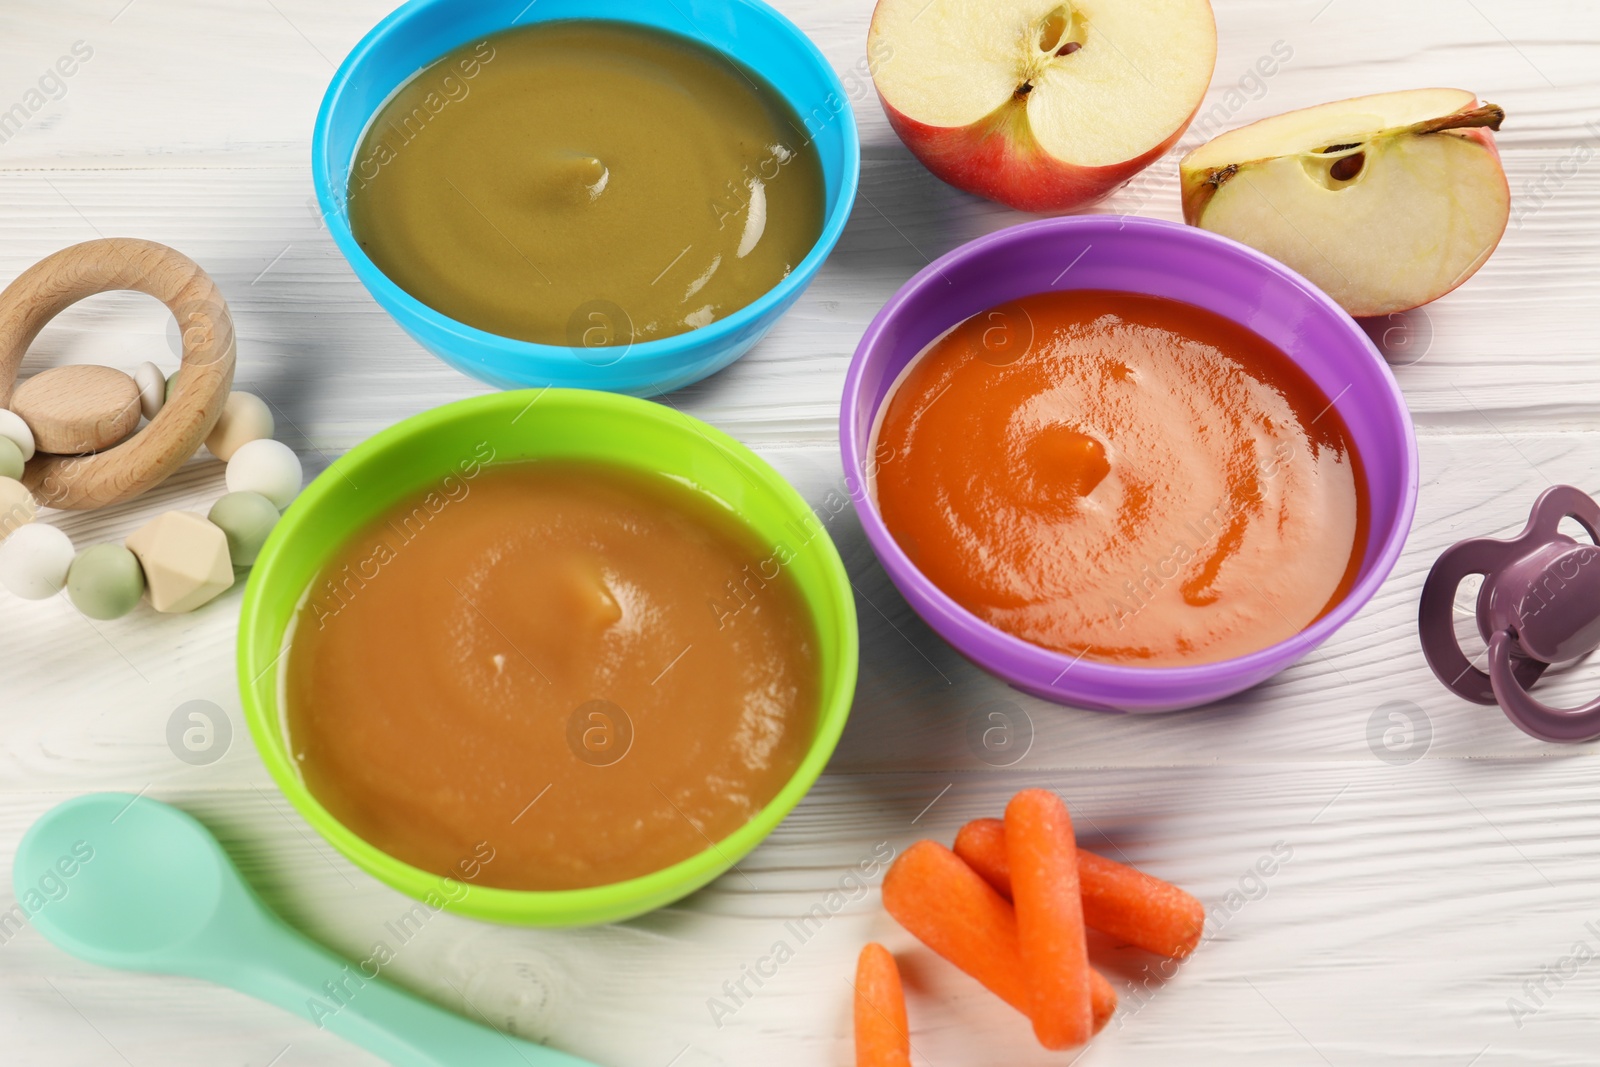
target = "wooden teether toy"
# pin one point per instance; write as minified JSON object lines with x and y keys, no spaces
{"x":72,"y":480}
{"x":1539,"y":604}
{"x":68,"y":440}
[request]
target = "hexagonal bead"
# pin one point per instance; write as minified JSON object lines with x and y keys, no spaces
{"x":185,"y":560}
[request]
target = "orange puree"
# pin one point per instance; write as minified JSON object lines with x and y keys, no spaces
{"x":541,"y":658}
{"x":1122,"y":477}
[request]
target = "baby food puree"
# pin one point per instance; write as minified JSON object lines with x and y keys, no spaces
{"x":588,"y":183}
{"x":1121,"y":477}
{"x":542,"y":658}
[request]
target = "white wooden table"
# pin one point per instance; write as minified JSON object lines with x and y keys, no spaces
{"x":1422,"y":890}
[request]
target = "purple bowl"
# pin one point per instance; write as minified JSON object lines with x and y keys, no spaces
{"x":1165,"y":259}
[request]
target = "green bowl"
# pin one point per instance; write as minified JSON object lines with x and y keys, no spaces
{"x":535,"y":424}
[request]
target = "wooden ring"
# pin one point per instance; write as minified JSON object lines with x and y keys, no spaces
{"x":150,"y":456}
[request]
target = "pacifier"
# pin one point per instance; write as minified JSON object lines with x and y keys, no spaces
{"x":1539,"y":605}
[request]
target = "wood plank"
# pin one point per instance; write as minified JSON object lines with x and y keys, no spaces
{"x":1440,"y":883}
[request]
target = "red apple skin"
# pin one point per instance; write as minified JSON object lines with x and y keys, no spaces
{"x":998,"y":158}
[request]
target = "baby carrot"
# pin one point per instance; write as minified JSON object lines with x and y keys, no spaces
{"x":1118,"y":900}
{"x":882,"y":1037}
{"x":1139,"y":908}
{"x":1044,"y":884}
{"x":947,"y":906}
{"x":982,"y":843}
{"x":1102,"y":999}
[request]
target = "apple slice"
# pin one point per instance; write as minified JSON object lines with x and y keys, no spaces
{"x":1385,"y":201}
{"x":1039,"y":104}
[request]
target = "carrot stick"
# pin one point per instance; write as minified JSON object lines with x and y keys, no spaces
{"x":1139,"y":908}
{"x":947,"y":906}
{"x":1102,"y":999}
{"x":1044,"y":885}
{"x":1118,"y":900}
{"x":982,"y":843}
{"x":882,"y":1036}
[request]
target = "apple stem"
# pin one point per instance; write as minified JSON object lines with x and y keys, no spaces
{"x":1490,"y":115}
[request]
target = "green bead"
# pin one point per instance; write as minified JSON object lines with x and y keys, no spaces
{"x":10,"y":459}
{"x":105,"y":581}
{"x":247,"y":518}
{"x":172,"y":384}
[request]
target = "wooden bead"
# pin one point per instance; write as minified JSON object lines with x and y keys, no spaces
{"x":78,"y":409}
{"x":185,"y":560}
{"x":17,"y":506}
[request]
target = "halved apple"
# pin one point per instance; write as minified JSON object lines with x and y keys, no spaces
{"x":1039,"y":104}
{"x":1385,"y":202}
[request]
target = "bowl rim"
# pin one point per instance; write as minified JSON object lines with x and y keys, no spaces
{"x":925,"y":596}
{"x":661,"y":356}
{"x":565,"y":907}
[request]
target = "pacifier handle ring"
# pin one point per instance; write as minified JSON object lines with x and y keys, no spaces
{"x":1436,"y":619}
{"x":1483,"y":555}
{"x":1530,"y":715}
{"x":1563,"y":502}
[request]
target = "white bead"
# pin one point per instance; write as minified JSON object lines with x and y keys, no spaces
{"x":12,"y":426}
{"x":267,"y":467}
{"x":34,"y":561}
{"x":152,"y":389}
{"x":245,"y":418}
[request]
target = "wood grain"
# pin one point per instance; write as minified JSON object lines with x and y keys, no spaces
{"x":1419,"y":898}
{"x":78,"y":409}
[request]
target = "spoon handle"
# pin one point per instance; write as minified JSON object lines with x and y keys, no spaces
{"x":284,"y":968}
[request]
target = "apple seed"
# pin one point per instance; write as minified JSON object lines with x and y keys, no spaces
{"x":1348,"y":167}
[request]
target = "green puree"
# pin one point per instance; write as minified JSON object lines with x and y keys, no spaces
{"x":586,"y":183}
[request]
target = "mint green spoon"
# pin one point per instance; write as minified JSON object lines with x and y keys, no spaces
{"x":133,"y":883}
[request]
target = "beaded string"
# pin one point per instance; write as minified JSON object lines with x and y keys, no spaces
{"x":180,"y":560}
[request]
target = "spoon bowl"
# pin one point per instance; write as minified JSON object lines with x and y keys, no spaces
{"x":129,"y":882}
{"x":138,"y":881}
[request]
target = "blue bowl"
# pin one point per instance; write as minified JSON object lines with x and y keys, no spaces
{"x":746,"y":30}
